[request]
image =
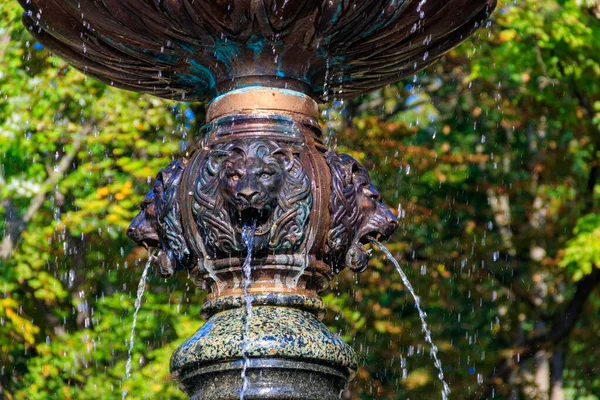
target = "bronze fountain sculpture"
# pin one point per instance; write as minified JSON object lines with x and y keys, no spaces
{"x":260,"y":165}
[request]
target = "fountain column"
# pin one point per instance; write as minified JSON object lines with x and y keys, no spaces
{"x":261,"y":167}
{"x":260,"y":162}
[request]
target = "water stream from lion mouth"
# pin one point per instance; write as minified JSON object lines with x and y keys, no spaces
{"x":138,"y":305}
{"x":422,"y":315}
{"x":248,"y":237}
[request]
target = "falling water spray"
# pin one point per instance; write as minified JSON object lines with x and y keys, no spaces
{"x":422,"y":315}
{"x":248,"y":237}
{"x":138,"y":304}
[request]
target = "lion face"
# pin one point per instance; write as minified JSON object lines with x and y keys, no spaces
{"x":247,"y":183}
{"x":144,"y":228}
{"x":251,"y":185}
{"x":376,"y":221}
{"x":158,"y":224}
{"x":358,"y":214}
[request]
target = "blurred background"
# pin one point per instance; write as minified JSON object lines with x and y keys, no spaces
{"x":491,"y":159}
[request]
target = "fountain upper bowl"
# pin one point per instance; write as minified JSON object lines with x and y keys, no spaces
{"x":197,"y":49}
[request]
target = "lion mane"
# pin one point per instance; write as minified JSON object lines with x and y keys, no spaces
{"x":343,"y":207}
{"x":357,"y":214}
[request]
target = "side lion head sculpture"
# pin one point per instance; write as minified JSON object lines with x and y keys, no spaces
{"x":251,"y":183}
{"x":357,"y":214}
{"x":158,"y":224}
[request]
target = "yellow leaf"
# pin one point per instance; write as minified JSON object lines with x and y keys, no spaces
{"x":418,"y":378}
{"x":507,"y":35}
{"x":102,"y":192}
{"x":8,"y":302}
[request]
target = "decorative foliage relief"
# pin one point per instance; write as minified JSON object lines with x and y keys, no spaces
{"x":187,"y":49}
{"x":261,"y":184}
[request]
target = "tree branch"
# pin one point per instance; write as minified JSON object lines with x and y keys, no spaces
{"x":17,"y":225}
{"x":562,"y":327}
{"x":4,"y":42}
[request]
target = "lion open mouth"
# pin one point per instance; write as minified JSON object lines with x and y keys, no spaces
{"x":250,"y":216}
{"x":379,"y":230}
{"x":143,"y":235}
{"x":366,"y":238}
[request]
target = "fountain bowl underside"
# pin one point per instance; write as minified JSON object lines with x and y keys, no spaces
{"x":197,"y":49}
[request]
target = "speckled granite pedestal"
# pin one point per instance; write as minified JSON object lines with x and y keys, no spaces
{"x":292,"y":354}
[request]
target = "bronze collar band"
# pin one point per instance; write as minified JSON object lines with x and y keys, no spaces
{"x":262,"y":99}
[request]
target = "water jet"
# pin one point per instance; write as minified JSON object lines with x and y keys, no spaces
{"x":262,"y":66}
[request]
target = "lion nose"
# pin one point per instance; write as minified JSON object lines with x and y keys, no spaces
{"x":131,"y":231}
{"x":133,"y":228}
{"x":247,"y":194}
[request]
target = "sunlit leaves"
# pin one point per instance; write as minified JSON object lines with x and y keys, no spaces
{"x":65,"y":303}
{"x":582,"y":253}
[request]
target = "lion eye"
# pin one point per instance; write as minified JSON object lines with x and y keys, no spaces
{"x":234,"y":177}
{"x":265,"y":176}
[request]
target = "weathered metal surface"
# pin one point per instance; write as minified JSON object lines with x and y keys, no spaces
{"x":251,"y":181}
{"x":313,"y":209}
{"x":357,"y":214}
{"x":197,"y":49}
{"x":262,"y":99}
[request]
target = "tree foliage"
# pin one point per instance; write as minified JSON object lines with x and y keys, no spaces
{"x":491,"y":158}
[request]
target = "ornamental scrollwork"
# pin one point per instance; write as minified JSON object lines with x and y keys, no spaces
{"x":259,"y":183}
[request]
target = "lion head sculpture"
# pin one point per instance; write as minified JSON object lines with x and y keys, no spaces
{"x":158,"y":224}
{"x":357,"y":214}
{"x":252,"y":184}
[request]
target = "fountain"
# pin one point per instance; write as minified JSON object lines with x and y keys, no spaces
{"x":261,"y":215}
